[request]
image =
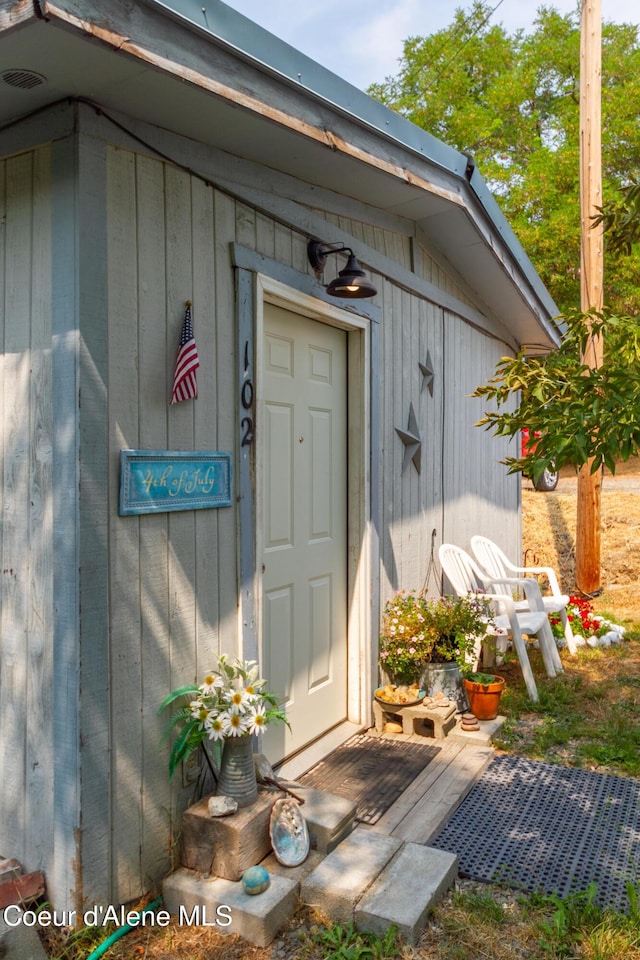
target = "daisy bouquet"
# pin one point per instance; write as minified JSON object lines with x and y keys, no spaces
{"x":230,"y":702}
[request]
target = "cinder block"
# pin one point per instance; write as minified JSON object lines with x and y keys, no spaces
{"x":212,"y":901}
{"x":329,"y":818}
{"x":406,"y":891}
{"x":347,"y":872}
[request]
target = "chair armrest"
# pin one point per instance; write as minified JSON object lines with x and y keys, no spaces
{"x":530,"y":587}
{"x":548,"y":572}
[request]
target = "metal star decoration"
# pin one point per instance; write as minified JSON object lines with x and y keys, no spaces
{"x":412,"y":442}
{"x":426,"y":369}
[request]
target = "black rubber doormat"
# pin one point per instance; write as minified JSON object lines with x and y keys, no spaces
{"x":549,"y":829}
{"x":371,"y":771}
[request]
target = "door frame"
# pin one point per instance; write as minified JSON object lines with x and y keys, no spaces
{"x":254,"y":289}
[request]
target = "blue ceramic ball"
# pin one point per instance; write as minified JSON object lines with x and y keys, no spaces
{"x":255,"y":880}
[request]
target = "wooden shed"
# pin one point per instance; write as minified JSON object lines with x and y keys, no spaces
{"x":155,"y":153}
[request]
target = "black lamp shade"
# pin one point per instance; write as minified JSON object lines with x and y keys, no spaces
{"x":351,"y":283}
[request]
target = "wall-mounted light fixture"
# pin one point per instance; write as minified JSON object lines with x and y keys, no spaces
{"x":351,"y":282}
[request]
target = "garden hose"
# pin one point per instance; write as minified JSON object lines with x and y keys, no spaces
{"x":120,"y":932}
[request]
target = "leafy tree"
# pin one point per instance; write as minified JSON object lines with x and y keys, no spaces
{"x":585,"y":413}
{"x":512,"y":101}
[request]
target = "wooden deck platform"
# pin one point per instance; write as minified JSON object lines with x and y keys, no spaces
{"x":427,"y":804}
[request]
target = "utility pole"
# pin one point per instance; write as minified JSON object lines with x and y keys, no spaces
{"x":591,"y":275}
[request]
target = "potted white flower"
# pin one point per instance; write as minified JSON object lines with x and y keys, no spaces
{"x":228,"y":708}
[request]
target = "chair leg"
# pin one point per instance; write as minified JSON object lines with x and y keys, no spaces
{"x":553,"y":649}
{"x":568,"y":632}
{"x":527,"y":672}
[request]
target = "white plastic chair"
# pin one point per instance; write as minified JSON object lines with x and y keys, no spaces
{"x":495,"y":563}
{"x":467,"y":579}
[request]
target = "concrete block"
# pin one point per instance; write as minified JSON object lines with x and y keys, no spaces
{"x":19,"y":942}
{"x":481,"y":737}
{"x":406,"y":891}
{"x":329,"y":818}
{"x":224,"y":904}
{"x":347,"y":872}
{"x":297,"y":874}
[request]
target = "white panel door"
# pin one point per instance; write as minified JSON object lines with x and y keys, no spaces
{"x":304,"y":536}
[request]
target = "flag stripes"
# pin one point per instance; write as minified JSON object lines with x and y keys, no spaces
{"x":187,"y":362}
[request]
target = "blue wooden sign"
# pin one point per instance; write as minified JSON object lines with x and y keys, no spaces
{"x":158,"y":481}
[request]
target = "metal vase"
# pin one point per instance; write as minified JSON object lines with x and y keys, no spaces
{"x":444,"y":678}
{"x":237,"y":773}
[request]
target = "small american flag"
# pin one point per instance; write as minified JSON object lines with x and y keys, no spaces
{"x":187,"y":362}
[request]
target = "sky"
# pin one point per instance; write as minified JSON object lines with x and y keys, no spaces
{"x":361,"y":40}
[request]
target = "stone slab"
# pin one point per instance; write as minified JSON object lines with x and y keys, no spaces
{"x":226,"y":846}
{"x":481,"y":737}
{"x":20,"y":942}
{"x":347,"y":872}
{"x":297,"y":874}
{"x":256,"y":918}
{"x":329,"y":818}
{"x":406,"y":891}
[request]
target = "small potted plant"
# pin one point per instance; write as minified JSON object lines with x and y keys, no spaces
{"x":483,"y":693}
{"x":228,"y":707}
{"x":430,"y":640}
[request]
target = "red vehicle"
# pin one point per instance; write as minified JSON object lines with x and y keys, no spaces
{"x":548,"y":479}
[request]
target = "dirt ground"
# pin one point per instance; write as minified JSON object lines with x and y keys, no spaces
{"x":549,"y":536}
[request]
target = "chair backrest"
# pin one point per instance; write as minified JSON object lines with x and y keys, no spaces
{"x":461,"y":570}
{"x":490,"y":557}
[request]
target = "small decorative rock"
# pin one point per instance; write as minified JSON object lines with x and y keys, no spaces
{"x":469,"y":722}
{"x":222,"y":806}
{"x":392,"y":727}
{"x":255,"y":880}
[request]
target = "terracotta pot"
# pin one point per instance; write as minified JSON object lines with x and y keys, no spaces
{"x":484,"y":698}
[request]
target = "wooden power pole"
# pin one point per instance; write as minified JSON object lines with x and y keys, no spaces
{"x":591,"y":275}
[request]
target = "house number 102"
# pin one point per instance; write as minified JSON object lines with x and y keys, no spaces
{"x":246,"y":399}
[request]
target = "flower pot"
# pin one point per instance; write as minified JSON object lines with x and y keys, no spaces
{"x":237,"y":777}
{"x":484,"y":698}
{"x":444,"y":678}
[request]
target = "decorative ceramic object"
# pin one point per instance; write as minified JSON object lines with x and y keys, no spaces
{"x":237,"y":773}
{"x":289,"y":833}
{"x":255,"y":880}
{"x":222,"y":806}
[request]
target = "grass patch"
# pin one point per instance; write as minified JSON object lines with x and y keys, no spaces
{"x":587,"y":717}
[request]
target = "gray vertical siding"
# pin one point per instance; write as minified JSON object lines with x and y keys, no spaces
{"x":26,"y":562}
{"x":135,"y":606}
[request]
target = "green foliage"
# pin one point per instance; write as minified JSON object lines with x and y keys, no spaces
{"x":231,"y":702}
{"x":584,"y":414}
{"x":512,"y":101}
{"x":345,"y":942}
{"x":417,"y":630}
{"x":569,"y":916}
{"x":592,"y":721}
